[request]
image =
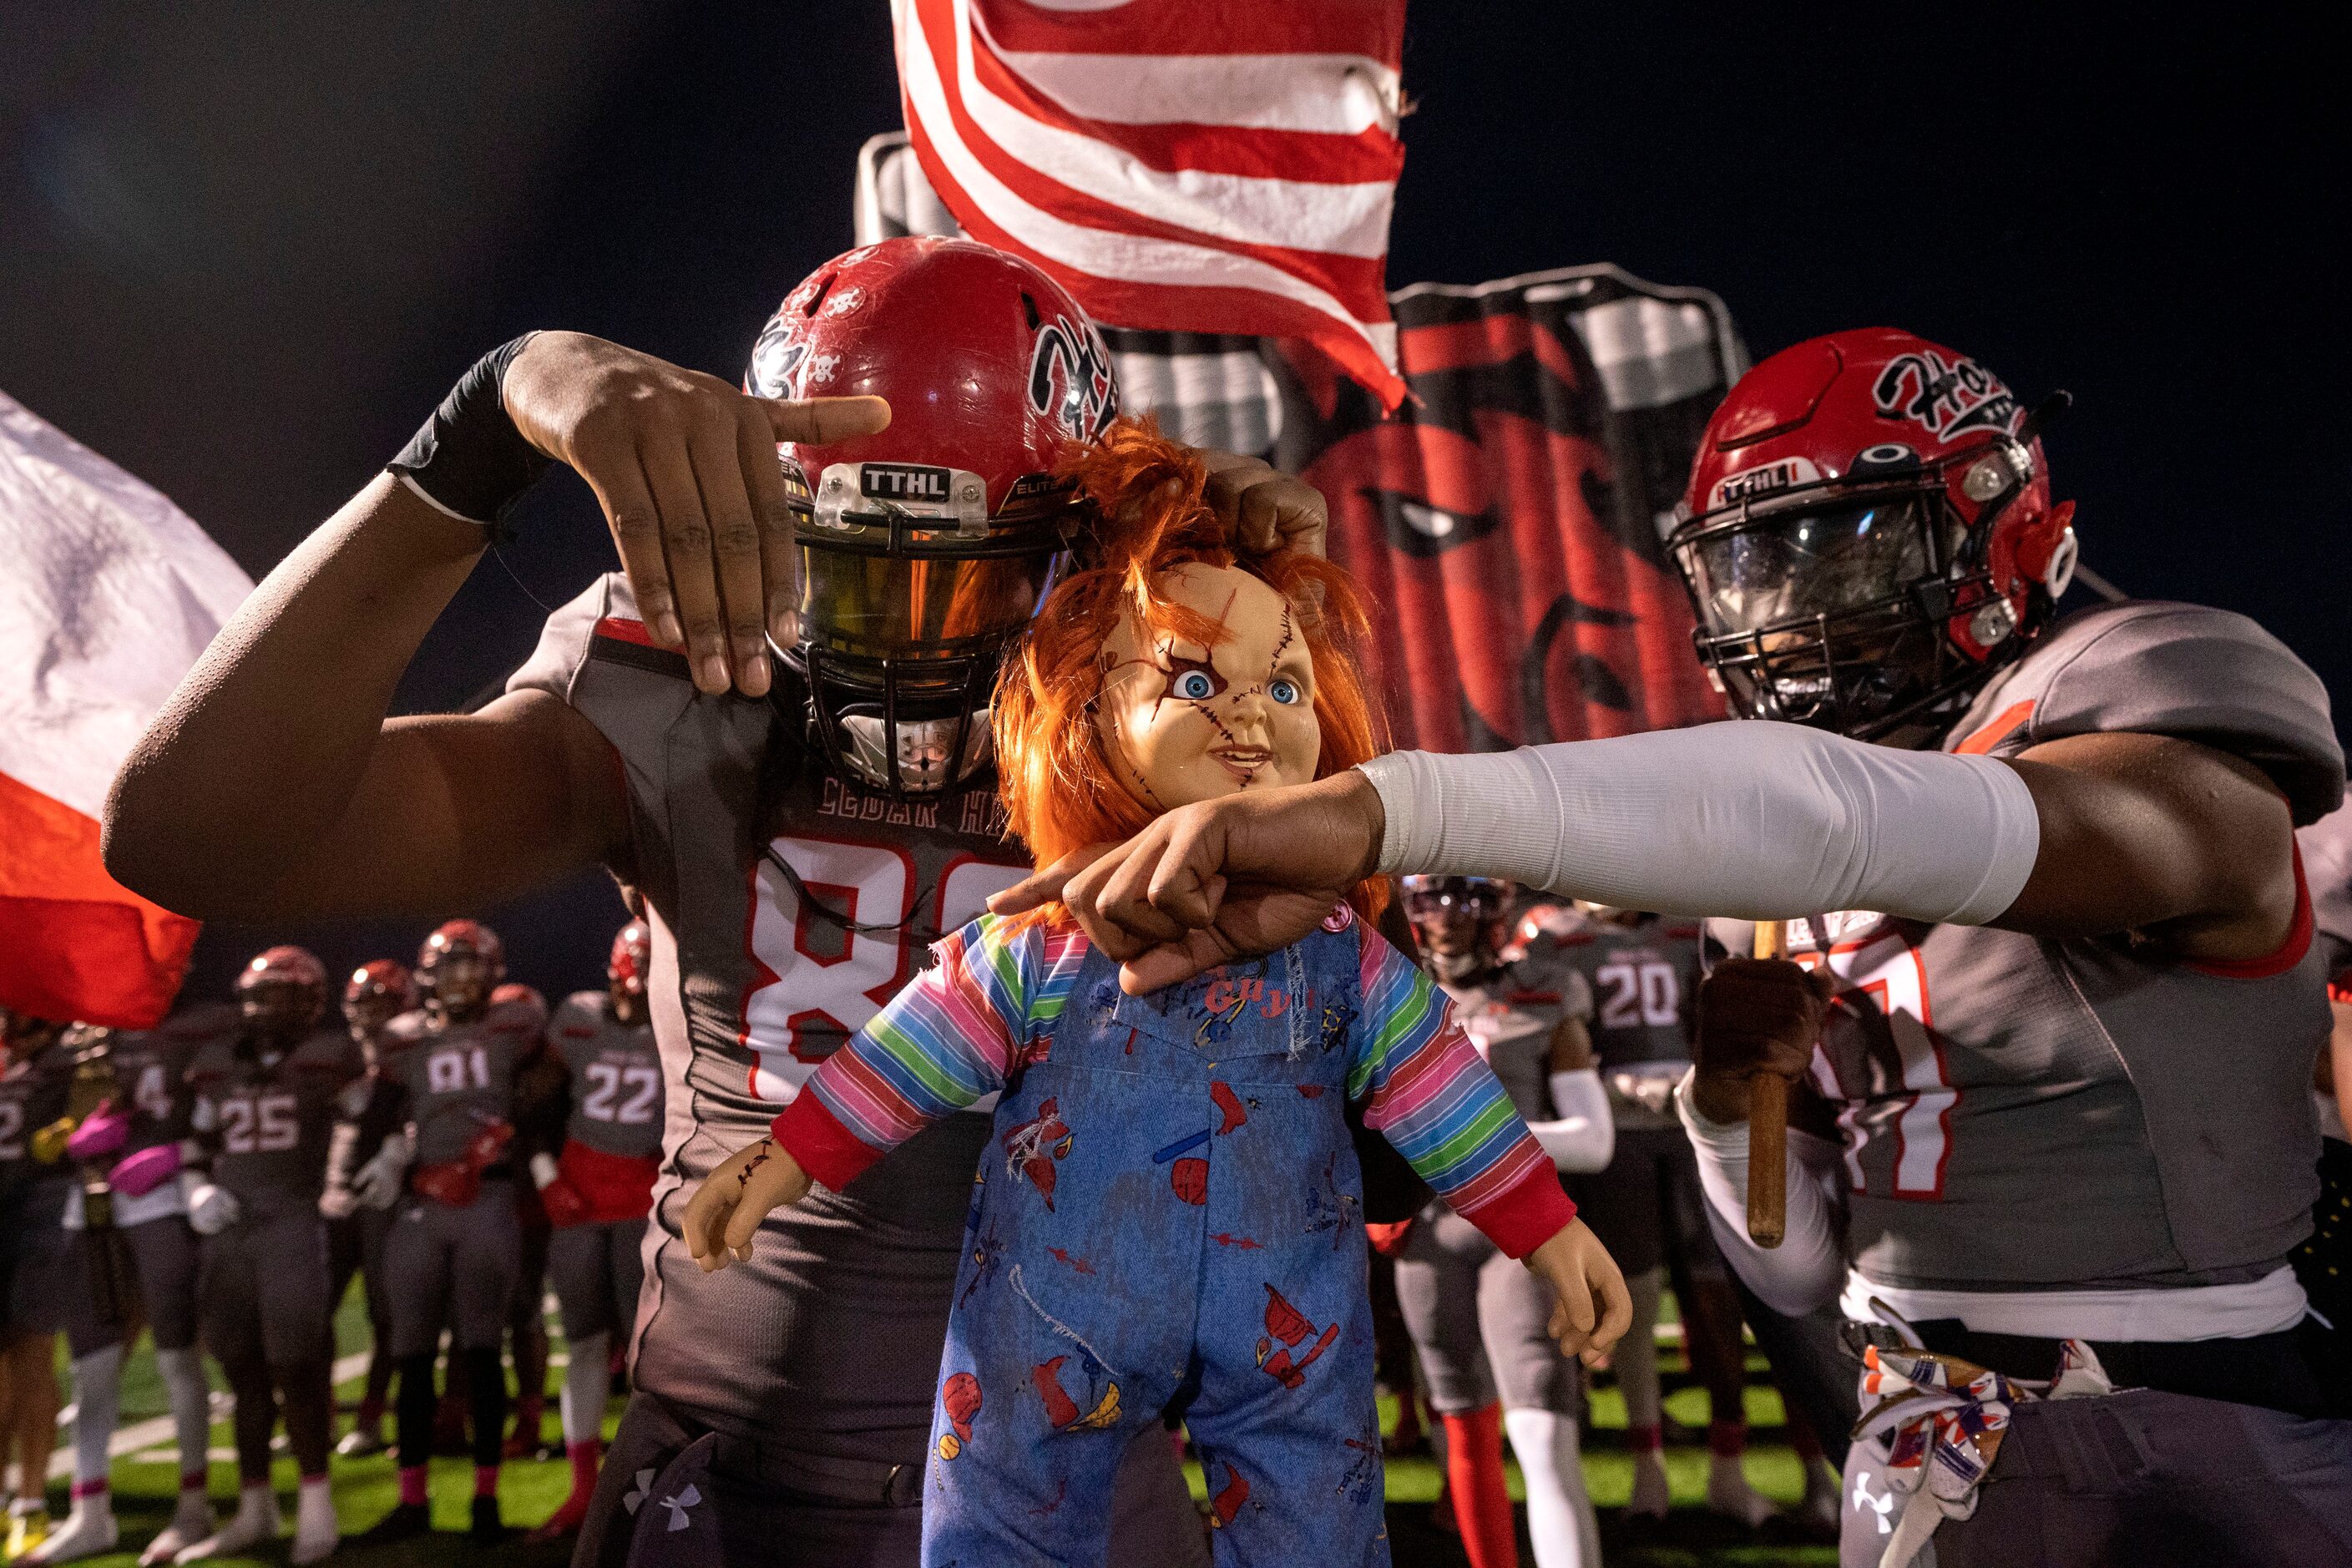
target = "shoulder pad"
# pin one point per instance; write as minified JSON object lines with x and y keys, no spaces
{"x":2150,"y":666}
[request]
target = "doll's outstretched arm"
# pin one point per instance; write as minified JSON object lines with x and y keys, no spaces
{"x":1425,"y":1089}
{"x":953,"y":1035}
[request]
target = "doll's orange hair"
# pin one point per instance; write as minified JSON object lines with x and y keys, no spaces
{"x":1059,"y":793}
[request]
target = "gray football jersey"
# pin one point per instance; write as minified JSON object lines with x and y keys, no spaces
{"x":616,"y":1076}
{"x":1510,"y":1017}
{"x":757,"y":976}
{"x":2020,"y":1112}
{"x":270,"y":1125}
{"x":460,"y":1079}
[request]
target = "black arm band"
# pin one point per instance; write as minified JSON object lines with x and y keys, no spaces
{"x":469,"y":460}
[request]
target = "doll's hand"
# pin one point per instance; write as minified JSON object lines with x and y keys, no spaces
{"x":1585,"y":1278}
{"x":725,"y":1212}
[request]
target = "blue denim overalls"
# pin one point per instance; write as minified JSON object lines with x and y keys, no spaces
{"x":1168,"y":1210}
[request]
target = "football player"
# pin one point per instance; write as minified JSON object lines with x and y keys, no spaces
{"x":1477,"y":1318}
{"x":363,"y":1181}
{"x":36,"y":1075}
{"x":267,"y":1099}
{"x":595,"y":1179}
{"x":797,"y":842}
{"x":527,"y":1307}
{"x":1641,"y":975}
{"x":128,"y":1148}
{"x":453,"y":1259}
{"x":2071,"y":1063}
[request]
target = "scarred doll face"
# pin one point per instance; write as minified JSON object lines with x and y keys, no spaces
{"x":1181,"y":723}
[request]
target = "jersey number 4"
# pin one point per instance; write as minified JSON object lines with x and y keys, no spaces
{"x":816,"y":979}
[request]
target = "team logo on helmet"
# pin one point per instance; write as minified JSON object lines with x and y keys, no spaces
{"x":1070,"y":378}
{"x":1949,"y":398}
{"x":776,"y":358}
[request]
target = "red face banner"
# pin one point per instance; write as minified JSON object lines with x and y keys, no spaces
{"x":1506,"y":525}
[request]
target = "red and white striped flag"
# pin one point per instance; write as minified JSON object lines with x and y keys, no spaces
{"x":108,"y":593}
{"x":1189,"y":165}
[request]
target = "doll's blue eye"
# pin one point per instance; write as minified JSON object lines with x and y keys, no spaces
{"x":1193,"y":686}
{"x":1283,"y":691}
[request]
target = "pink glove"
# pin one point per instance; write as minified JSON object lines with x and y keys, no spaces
{"x":136,"y":1175}
{"x":101,"y":1132}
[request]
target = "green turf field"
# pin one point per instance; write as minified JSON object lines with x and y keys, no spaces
{"x":146,"y":1481}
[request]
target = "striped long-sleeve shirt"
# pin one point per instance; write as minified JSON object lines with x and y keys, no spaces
{"x":957,"y":1031}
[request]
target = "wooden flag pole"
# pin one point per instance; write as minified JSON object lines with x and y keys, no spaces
{"x":1768,"y":1126}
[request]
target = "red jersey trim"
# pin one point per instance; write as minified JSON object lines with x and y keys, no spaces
{"x":825,"y":1149}
{"x":2290,"y":952}
{"x":621,"y":629}
{"x":2003,"y":726}
{"x":1526,"y":1214}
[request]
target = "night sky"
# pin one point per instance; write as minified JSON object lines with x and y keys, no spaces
{"x":243,"y":250}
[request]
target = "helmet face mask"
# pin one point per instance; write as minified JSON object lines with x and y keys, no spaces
{"x":282,"y":993}
{"x":899,"y":653}
{"x":1868,"y":536}
{"x":1458,"y":922}
{"x":1830,"y":608}
{"x":458,"y":967}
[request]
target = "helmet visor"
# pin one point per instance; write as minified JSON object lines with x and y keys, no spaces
{"x":1799,"y":566}
{"x":898,"y":606}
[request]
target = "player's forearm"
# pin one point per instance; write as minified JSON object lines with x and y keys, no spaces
{"x":261,"y":752}
{"x":1583,"y":1135}
{"x":1755,"y":819}
{"x":1809,"y":1267}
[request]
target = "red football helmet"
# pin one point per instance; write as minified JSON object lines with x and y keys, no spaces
{"x":926,"y":549}
{"x":632,"y":955}
{"x":282,"y":990}
{"x":459,"y":964}
{"x":1458,"y":922}
{"x":378,"y":991}
{"x":1868,"y":534}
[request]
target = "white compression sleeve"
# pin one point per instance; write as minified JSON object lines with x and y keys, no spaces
{"x":1747,"y":818}
{"x":1808,"y":1268}
{"x":1585,"y":1135}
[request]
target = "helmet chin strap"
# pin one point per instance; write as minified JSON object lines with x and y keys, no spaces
{"x":923,"y":744}
{"x":1457,"y":968}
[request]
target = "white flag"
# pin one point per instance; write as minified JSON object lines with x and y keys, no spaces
{"x":108,"y":593}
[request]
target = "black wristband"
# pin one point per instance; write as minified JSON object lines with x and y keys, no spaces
{"x":469,"y":460}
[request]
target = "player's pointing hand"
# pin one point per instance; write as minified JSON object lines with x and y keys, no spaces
{"x":1223,"y":878}
{"x":684,"y":468}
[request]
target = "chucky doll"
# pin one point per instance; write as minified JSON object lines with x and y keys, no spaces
{"x":1169,"y":1211}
